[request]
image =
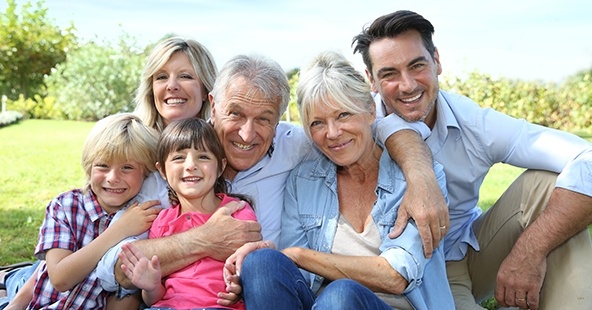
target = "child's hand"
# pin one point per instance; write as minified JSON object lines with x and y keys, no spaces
{"x":137,"y":218}
{"x":233,"y":287}
{"x":144,"y":274}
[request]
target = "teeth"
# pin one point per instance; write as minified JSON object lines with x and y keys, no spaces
{"x":175,"y":101}
{"x":412,"y":98}
{"x":118,"y":191}
{"x":191,"y":179}
{"x":244,"y":147}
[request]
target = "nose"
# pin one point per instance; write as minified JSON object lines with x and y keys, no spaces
{"x":172,"y":84}
{"x":113,"y":176}
{"x":190,"y":163}
{"x":333,"y":130}
{"x":247,"y":131}
{"x":407,"y":84}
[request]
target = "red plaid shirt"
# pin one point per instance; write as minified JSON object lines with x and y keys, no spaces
{"x":72,"y":220}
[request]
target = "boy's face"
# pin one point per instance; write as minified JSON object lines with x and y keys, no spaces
{"x":115,"y":184}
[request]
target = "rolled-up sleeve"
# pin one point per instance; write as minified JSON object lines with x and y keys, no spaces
{"x":385,"y":127}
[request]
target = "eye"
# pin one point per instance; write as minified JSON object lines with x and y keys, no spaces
{"x":128,"y":167}
{"x":418,"y":66}
{"x":101,"y":165}
{"x":343,"y":115}
{"x":204,"y":157}
{"x":315,"y":123}
{"x":177,"y":157}
{"x":186,"y":76}
{"x":160,"y":76}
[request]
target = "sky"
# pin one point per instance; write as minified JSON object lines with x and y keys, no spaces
{"x":545,"y":40}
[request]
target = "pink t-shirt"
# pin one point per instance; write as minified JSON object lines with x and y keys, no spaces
{"x":197,"y":285}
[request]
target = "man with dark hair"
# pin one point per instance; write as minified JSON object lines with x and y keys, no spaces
{"x":531,"y":249}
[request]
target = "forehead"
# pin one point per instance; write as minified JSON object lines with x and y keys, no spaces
{"x":397,"y":50}
{"x":242,"y":94}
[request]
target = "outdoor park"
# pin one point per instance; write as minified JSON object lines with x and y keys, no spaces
{"x":55,"y":86}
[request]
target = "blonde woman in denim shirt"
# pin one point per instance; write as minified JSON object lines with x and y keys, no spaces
{"x":338,"y":211}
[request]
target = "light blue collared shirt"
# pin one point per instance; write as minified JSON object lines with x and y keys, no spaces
{"x":311,"y":213}
{"x":468,"y":140}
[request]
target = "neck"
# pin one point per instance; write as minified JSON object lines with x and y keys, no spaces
{"x":207,"y":204}
{"x":366,"y":168}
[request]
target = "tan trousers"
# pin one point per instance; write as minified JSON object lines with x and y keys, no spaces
{"x":568,"y":282}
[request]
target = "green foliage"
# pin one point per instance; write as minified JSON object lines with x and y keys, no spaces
{"x":97,"y":80}
{"x":30,"y":45}
{"x":36,"y":107}
{"x":292,"y":114}
{"x":566,"y":106}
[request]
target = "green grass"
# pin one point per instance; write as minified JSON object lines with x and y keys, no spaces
{"x":39,"y":160}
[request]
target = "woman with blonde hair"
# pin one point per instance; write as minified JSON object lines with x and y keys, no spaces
{"x":178,"y":75}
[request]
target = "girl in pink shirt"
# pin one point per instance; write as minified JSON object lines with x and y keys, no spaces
{"x":191,"y":159}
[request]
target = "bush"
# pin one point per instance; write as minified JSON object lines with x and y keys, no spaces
{"x":36,"y":108}
{"x":9,"y":117}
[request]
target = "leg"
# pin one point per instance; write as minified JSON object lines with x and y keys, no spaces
{"x":497,"y":230}
{"x":461,"y":285}
{"x":345,"y":294}
{"x":271,"y":280}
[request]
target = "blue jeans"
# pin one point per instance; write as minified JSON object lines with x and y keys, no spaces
{"x":271,"y":280}
{"x":13,"y":281}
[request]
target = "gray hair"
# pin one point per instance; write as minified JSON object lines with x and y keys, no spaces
{"x":331,"y":80}
{"x":263,"y":74}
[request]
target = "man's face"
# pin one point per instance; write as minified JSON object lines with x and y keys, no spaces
{"x":406,"y":76}
{"x":245,"y":123}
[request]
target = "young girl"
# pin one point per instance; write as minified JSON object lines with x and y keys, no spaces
{"x":117,"y":156}
{"x":191,"y":159}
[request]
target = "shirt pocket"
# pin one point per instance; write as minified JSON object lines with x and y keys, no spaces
{"x":311,"y":224}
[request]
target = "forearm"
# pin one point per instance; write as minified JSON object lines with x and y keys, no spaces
{"x":174,"y":252}
{"x":66,"y":268}
{"x":566,"y":214}
{"x":151,"y":297}
{"x":373,"y":272}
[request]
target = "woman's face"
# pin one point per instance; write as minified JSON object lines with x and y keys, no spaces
{"x":178,"y":92}
{"x":342,"y":136}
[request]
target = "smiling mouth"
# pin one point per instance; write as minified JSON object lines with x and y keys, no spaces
{"x":412,"y":99}
{"x":191,"y":179}
{"x":175,"y":101}
{"x":113,"y":190}
{"x":243,"y":147}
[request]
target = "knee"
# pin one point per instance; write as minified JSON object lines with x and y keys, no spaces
{"x":338,"y":294}
{"x":261,"y":264}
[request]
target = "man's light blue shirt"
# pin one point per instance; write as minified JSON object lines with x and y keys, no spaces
{"x":468,"y":140}
{"x":311,"y":213}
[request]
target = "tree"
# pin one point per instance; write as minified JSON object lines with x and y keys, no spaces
{"x":97,"y":80}
{"x":30,"y":45}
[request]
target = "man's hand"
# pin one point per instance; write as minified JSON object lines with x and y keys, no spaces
{"x":520,"y":279}
{"x":425,"y":203}
{"x":226,"y":234}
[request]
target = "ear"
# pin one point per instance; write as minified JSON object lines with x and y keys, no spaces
{"x":437,"y":61}
{"x":212,"y":108}
{"x":371,"y":79}
{"x":223,"y":166}
{"x":161,"y":170}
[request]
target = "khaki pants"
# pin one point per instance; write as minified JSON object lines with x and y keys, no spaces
{"x":568,"y":282}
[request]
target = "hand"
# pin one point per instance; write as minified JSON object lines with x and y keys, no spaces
{"x":520,"y":279}
{"x":233,"y":287}
{"x":237,"y":258}
{"x":424,"y":203}
{"x":137,"y":218}
{"x":226,"y":234}
{"x":144,"y":274}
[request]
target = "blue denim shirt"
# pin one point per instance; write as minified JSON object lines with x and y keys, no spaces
{"x":311,"y":211}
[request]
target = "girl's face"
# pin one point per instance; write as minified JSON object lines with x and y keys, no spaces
{"x":178,"y":92}
{"x":191,"y":173}
{"x":116,"y":183}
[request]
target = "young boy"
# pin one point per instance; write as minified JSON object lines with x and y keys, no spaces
{"x":117,"y":156}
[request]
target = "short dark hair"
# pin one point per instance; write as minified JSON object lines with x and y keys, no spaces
{"x":390,"y":26}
